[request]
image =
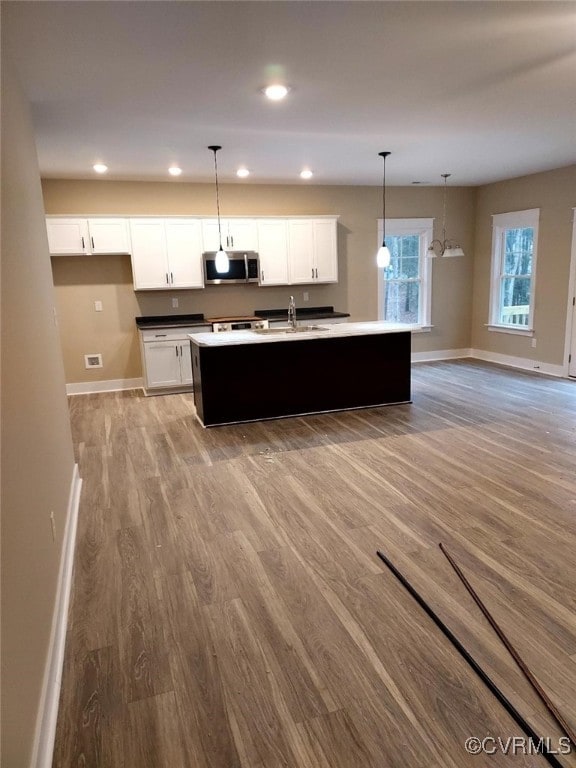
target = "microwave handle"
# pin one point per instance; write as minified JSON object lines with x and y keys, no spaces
{"x":246,"y":267}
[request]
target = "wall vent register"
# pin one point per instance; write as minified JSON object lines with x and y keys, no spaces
{"x":93,"y":361}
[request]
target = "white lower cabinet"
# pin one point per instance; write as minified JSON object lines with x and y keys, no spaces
{"x":166,"y":360}
{"x":166,"y":254}
{"x":163,"y":364}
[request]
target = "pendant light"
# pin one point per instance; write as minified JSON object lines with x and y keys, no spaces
{"x":444,"y":247}
{"x":383,"y":255}
{"x":222,"y":262}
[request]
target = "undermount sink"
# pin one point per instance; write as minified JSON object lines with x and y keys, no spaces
{"x":289,"y":329}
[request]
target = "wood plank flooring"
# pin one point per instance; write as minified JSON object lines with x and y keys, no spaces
{"x":229,"y":610}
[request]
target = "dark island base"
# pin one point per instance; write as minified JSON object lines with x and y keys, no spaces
{"x":252,"y":382}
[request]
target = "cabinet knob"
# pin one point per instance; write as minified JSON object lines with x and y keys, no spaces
{"x":83,"y":246}
{"x":92,"y":240}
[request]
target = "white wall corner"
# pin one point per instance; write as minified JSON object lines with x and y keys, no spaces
{"x":48,"y":710}
{"x":111,"y":385}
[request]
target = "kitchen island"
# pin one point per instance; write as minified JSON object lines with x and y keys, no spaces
{"x":253,"y":375}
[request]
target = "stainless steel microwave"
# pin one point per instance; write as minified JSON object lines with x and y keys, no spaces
{"x":244,"y":268}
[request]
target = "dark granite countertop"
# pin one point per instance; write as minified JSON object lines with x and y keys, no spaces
{"x":170,"y":321}
{"x":313,"y":313}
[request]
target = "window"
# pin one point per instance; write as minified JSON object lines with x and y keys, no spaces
{"x":514,"y":246}
{"x":405,"y":285}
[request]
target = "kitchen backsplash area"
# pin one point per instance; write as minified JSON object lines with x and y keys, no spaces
{"x":239,"y":299}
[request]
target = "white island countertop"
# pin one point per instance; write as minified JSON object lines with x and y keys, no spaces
{"x":327,"y":331}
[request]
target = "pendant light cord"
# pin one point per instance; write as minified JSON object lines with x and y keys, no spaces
{"x":217,"y":197}
{"x":445,"y":176}
{"x":384,"y":155}
{"x":384,"y":202}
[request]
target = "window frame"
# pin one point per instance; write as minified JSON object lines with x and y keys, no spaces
{"x":423,"y":227}
{"x":501,"y":223}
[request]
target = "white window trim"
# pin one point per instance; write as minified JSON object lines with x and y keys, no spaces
{"x":424,"y":229}
{"x":501,"y":222}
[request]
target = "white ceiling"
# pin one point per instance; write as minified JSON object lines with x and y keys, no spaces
{"x":482,"y":90}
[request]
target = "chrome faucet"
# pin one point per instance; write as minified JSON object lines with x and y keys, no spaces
{"x":292,"y":313}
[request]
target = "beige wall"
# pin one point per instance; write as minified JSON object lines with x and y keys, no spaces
{"x":37,"y":457}
{"x":81,"y":281}
{"x":554,"y":192}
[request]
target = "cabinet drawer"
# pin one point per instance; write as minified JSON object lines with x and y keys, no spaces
{"x":172,"y":334}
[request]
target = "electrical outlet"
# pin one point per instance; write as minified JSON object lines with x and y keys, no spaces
{"x":306,"y":296}
{"x":174,"y":303}
{"x":534,"y":343}
{"x":98,"y":306}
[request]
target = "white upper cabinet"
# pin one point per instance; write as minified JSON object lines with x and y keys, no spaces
{"x":184,"y":249}
{"x":166,"y":254}
{"x":237,"y":234}
{"x":273,"y":251}
{"x":312,"y":251}
{"x":109,"y":236}
{"x":325,"y":251}
{"x":149,"y":258}
{"x":73,"y":236}
{"x":301,"y":251}
{"x":67,"y":236}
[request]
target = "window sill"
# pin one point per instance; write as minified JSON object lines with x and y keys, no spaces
{"x":508,"y":329}
{"x":421,"y":328}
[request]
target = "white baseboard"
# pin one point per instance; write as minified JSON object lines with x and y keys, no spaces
{"x":48,"y":711}
{"x":440,"y":354}
{"x":112,"y":385}
{"x":519,"y":362}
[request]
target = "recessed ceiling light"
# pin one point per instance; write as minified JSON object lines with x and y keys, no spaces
{"x":174,"y":170}
{"x":100,"y":167}
{"x":275,"y":92}
{"x":306,"y":174}
{"x":242,"y":172}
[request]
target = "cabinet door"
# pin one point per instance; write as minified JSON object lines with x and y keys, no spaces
{"x":67,"y":236}
{"x":162,"y":361}
{"x":240,"y":234}
{"x":185,"y":363}
{"x":109,"y":235}
{"x":273,"y":250}
{"x":237,"y":234}
{"x":184,"y":249}
{"x":325,"y":252}
{"x":301,"y":251}
{"x":210,"y":237}
{"x":149,"y":262}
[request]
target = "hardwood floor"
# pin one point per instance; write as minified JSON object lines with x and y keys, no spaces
{"x":229,"y":610}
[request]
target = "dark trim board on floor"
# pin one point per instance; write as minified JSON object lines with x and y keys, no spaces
{"x":250,"y":382}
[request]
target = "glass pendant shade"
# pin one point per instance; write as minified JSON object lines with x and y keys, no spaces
{"x":222,"y":262}
{"x":383,"y":256}
{"x":453,"y":250}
